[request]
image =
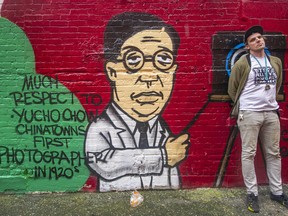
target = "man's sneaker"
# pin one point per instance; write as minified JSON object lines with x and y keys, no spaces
{"x":282,"y":199}
{"x":252,"y":203}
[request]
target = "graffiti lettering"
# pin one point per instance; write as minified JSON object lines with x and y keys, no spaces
{"x":50,"y":130}
{"x":90,"y":155}
{"x":18,"y":156}
{"x":48,"y":141}
{"x":37,"y":82}
{"x":53,"y":115}
{"x":94,"y":99}
{"x":73,"y":159}
{"x":54,"y":172}
{"x":42,"y":98}
{"x":76,"y":116}
{"x":92,"y":117}
{"x":37,"y":115}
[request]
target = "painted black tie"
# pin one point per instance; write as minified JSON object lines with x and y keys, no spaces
{"x":142,"y":127}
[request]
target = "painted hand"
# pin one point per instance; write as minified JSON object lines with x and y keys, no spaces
{"x":176,"y":148}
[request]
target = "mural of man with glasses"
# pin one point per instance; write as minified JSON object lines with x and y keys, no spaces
{"x":130,"y":146}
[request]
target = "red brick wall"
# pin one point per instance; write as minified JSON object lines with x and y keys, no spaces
{"x":67,"y":38}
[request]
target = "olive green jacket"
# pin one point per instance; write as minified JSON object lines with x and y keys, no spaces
{"x":239,"y":75}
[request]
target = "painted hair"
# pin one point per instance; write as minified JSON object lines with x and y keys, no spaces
{"x":123,"y":26}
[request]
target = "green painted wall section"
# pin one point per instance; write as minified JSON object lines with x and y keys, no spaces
{"x":42,"y":124}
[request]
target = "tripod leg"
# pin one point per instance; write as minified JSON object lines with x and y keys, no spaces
{"x":225,"y":159}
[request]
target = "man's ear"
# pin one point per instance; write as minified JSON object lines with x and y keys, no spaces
{"x":174,"y":68}
{"x":110,"y":70}
{"x":247,"y":47}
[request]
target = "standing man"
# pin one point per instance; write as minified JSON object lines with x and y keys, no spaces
{"x":130,"y":146}
{"x":253,"y":86}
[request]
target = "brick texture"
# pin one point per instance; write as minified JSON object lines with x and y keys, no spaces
{"x":67,"y":45}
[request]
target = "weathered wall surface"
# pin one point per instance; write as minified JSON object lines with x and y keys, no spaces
{"x":70,"y":92}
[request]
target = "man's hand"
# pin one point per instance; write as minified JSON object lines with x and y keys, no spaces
{"x":176,"y":148}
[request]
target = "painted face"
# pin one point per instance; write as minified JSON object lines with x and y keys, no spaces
{"x":143,"y":74}
{"x":255,"y":42}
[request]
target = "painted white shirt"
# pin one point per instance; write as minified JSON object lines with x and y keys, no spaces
{"x":113,"y":154}
{"x":151,"y":133}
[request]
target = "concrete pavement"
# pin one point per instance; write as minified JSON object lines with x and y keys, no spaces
{"x":196,"y":202}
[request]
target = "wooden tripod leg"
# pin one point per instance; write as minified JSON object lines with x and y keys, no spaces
{"x":226,"y":156}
